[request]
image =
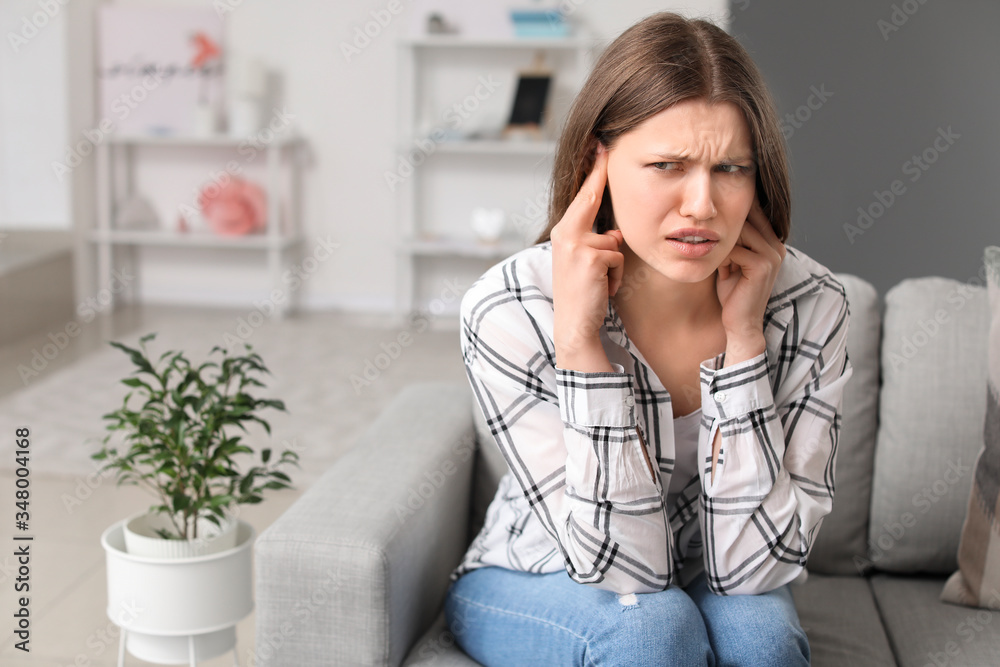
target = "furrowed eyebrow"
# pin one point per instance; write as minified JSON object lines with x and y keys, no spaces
{"x":729,"y":159}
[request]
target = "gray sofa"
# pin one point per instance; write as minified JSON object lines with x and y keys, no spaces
{"x":355,"y":572}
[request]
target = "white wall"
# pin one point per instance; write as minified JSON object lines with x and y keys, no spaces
{"x":33,"y":115}
{"x":346,"y":109}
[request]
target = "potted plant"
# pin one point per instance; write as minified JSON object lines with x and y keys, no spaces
{"x":179,"y":574}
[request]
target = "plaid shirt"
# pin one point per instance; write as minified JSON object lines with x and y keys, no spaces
{"x":579,"y":495}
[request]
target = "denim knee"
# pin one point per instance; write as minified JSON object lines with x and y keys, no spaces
{"x":510,"y":618}
{"x":662,"y":628}
{"x":771,"y":645}
{"x":753,"y":629}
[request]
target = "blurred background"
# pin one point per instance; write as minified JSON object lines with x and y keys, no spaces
{"x":371,"y":142}
{"x":324,"y":180}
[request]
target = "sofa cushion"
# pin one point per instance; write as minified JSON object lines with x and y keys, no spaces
{"x":923,"y":631}
{"x":977,"y":581}
{"x":844,"y":533}
{"x":437,"y":648}
{"x":841,"y":620}
{"x":931,"y":412}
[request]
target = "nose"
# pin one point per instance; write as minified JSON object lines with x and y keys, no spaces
{"x":698,"y":202}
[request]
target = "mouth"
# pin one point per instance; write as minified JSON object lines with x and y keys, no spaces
{"x":693,"y":236}
{"x":693,"y":243}
{"x":693,"y":240}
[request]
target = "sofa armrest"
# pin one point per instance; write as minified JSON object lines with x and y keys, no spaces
{"x":357,"y":568}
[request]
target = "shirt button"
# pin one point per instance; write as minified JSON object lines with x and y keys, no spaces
{"x":629,"y":401}
{"x":720,"y":397}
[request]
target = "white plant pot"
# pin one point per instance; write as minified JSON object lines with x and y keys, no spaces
{"x":166,"y":605}
{"x":142,"y":539}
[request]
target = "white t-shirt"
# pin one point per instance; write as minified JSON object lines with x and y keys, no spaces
{"x":685,"y":454}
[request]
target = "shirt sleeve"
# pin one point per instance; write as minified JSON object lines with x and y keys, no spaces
{"x":773,"y":481}
{"x":572,"y":445}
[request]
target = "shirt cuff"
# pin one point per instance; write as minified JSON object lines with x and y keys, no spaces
{"x":596,"y":399}
{"x":735,"y":390}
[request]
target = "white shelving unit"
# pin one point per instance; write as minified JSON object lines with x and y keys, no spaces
{"x":116,"y":162}
{"x":433,"y":227}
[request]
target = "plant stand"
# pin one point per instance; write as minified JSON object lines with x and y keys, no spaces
{"x":177,"y":611}
{"x":178,"y":650}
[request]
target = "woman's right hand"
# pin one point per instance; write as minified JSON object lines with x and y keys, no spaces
{"x":586,"y":272}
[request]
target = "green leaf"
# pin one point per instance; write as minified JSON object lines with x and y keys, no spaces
{"x":246,"y":484}
{"x":135,"y":382}
{"x":221,"y":501}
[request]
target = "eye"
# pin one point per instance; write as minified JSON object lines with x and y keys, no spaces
{"x":735,"y":169}
{"x":666,"y":166}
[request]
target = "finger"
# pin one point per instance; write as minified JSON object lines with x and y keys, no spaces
{"x":616,"y":271}
{"x":752,"y":238}
{"x":583,"y":209}
{"x":724,"y":271}
{"x":761,"y":223}
{"x":606,"y":241}
{"x":747,"y":260}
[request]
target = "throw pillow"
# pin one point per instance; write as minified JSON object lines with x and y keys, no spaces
{"x":977,"y":581}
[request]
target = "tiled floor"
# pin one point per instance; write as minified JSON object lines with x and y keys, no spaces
{"x":69,"y":624}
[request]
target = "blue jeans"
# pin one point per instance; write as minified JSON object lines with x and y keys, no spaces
{"x":504,"y":617}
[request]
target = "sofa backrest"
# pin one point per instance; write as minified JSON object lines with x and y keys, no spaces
{"x":932,"y":407}
{"x":844,"y":533}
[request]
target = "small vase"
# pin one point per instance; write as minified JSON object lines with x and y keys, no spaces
{"x":488,"y":224}
{"x":244,"y":117}
{"x":205,"y":120}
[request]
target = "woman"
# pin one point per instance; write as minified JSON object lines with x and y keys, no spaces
{"x":664,"y":377}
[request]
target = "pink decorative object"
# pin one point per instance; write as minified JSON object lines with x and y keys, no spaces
{"x":236,"y":208}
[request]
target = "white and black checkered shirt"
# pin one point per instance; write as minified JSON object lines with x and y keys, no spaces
{"x":579,"y":495}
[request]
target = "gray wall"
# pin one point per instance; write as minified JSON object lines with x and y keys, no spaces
{"x":886,"y":96}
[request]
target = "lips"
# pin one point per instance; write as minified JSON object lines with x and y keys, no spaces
{"x":688,"y":249}
{"x":691,"y":233}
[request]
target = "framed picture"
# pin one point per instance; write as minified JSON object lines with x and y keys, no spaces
{"x":530,"y":101}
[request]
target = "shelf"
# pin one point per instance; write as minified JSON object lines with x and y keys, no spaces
{"x":459,"y":42}
{"x":471,"y":168}
{"x":488,"y":147}
{"x":193,"y":240}
{"x":461,"y":247}
{"x":221,"y":140}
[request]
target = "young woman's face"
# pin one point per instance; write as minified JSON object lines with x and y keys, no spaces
{"x":689,"y":167}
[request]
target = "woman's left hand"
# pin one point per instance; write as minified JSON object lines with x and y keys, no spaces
{"x":744,"y":283}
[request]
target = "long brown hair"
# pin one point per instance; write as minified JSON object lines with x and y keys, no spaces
{"x":660,"y":61}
